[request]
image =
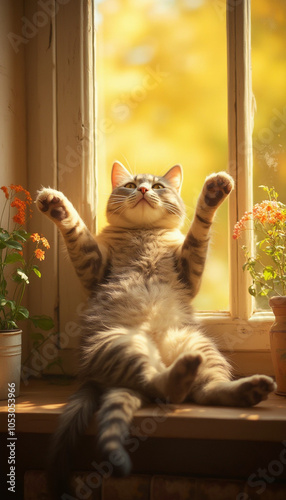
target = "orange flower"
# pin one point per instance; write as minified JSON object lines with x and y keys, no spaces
{"x":240,"y":225}
{"x":35,"y":237}
{"x":5,"y":191}
{"x":16,"y":187}
{"x":266,"y":212}
{"x":40,"y":254}
{"x":45,"y":242}
{"x":20,"y":216}
{"x":20,"y":189}
{"x":21,"y":205}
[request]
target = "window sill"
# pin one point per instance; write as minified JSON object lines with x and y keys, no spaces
{"x":41,"y":402}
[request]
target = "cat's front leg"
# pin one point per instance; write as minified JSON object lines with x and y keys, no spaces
{"x":194,"y":251}
{"x":82,"y":247}
{"x":58,"y":208}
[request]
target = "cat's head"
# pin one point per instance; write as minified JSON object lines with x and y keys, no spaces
{"x":144,"y":200}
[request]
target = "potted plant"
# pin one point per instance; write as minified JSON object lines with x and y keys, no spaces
{"x":15,"y":270}
{"x":268,"y":271}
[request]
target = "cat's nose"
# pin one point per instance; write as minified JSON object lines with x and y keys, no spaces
{"x":142,"y":189}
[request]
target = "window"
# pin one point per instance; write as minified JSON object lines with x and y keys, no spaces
{"x":62,"y":152}
{"x":269,"y":83}
{"x":162,"y":86}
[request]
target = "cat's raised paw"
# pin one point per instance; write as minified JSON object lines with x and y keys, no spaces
{"x":216,"y":188}
{"x":53,"y":203}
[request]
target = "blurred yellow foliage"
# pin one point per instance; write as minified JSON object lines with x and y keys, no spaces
{"x":162,"y":85}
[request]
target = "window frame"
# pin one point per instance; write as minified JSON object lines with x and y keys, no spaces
{"x":71,"y":84}
{"x":242,"y":333}
{"x":61,"y":153}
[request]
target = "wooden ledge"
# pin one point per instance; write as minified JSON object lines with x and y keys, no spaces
{"x":42,"y":401}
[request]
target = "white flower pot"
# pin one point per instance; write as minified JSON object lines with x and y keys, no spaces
{"x":10,"y":362}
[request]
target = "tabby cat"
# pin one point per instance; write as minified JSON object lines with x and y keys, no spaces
{"x":139,"y":339}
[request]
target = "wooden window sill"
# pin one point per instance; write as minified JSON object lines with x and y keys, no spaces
{"x":42,"y":401}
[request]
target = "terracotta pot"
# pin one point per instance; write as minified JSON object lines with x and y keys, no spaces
{"x":10,"y":362}
{"x":278,"y":342}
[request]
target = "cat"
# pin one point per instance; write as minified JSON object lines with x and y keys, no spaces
{"x":139,"y":338}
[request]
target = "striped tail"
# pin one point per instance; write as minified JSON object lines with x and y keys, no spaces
{"x":73,"y":423}
{"x":114,"y":417}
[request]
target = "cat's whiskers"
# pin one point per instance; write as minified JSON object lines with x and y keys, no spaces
{"x":117,"y":197}
{"x":116,"y":202}
{"x":172,"y":209}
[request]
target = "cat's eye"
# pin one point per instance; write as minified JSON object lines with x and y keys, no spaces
{"x":158,"y":186}
{"x":130,"y":185}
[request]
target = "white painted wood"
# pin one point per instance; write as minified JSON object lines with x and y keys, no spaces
{"x":240,"y":146}
{"x":75,"y":136}
{"x":40,"y":75}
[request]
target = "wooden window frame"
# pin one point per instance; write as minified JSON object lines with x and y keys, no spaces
{"x":65,"y":158}
{"x":242,"y":333}
{"x":61,"y":106}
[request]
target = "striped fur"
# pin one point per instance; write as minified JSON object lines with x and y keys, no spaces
{"x":139,"y":337}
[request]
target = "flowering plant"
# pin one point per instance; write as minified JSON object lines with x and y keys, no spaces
{"x":12,"y":242}
{"x":268,"y":267}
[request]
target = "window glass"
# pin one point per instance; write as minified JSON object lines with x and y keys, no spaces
{"x":269,"y":87}
{"x":162,"y":100}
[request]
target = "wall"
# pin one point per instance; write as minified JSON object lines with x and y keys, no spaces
{"x":13,"y":164}
{"x":12,"y":97}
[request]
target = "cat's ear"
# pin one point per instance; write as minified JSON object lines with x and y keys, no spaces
{"x":175,"y":177}
{"x":118,"y":174}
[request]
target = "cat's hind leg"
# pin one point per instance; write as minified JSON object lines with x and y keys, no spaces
{"x":211,"y":383}
{"x":244,"y":392}
{"x":175,"y":381}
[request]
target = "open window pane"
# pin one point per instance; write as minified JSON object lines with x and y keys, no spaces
{"x":162,"y":86}
{"x":269,"y":84}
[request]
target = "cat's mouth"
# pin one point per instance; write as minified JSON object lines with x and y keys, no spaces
{"x":143,"y":201}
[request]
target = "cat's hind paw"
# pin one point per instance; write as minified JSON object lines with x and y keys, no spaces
{"x":53,"y":204}
{"x":181,"y":376}
{"x":252,"y":390}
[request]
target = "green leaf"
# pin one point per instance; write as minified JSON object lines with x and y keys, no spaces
{"x":12,"y":325}
{"x":13,"y":257}
{"x":22,"y":313}
{"x":37,"y":271}
{"x":21,"y":235}
{"x":4,"y":236}
{"x":260,"y":243}
{"x":269,"y":273}
{"x":43,"y":322}
{"x":24,"y":233}
{"x":14,"y":244}
{"x":10,"y":303}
